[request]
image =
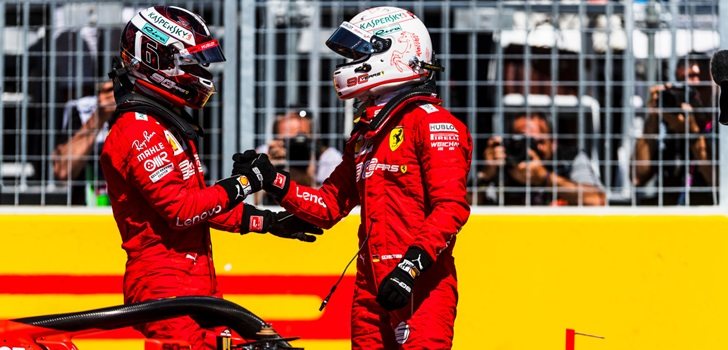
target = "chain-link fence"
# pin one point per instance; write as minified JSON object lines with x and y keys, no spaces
{"x":569,"y":102}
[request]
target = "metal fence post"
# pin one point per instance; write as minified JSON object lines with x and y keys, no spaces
{"x":229,"y":139}
{"x":246,"y":97}
{"x":723,"y":133}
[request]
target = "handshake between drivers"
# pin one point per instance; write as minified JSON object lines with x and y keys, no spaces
{"x":251,"y":173}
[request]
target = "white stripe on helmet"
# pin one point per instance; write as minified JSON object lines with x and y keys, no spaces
{"x":168,"y":27}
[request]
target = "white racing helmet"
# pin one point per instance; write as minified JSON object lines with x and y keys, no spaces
{"x":389,"y":48}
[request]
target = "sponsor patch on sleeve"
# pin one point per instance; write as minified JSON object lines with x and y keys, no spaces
{"x":280,"y":181}
{"x":256,"y":223}
{"x":429,"y":108}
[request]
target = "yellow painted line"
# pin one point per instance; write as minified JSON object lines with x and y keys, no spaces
{"x":273,"y":307}
{"x":24,"y":305}
{"x":91,"y":245}
{"x":109,"y":344}
{"x":138,"y":344}
{"x":57,"y":244}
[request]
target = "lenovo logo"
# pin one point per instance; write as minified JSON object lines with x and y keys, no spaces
{"x":310,"y":197}
{"x":196,"y":219}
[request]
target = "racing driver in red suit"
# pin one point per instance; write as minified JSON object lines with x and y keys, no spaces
{"x":162,"y":207}
{"x":406,"y":165}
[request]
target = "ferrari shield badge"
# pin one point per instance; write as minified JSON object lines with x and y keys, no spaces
{"x":396,"y":136}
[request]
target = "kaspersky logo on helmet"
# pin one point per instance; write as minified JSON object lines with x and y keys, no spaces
{"x":381,"y":21}
{"x":171,"y":28}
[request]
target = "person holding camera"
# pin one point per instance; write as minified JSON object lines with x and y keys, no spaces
{"x":675,"y":145}
{"x":292,"y":149}
{"x":531,"y":173}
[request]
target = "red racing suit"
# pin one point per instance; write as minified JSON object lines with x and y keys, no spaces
{"x":164,"y":212}
{"x":410,"y":179}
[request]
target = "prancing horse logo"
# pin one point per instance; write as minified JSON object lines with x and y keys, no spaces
{"x":396,"y":136}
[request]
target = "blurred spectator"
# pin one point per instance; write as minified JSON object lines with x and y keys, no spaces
{"x":676,"y":144}
{"x":533,"y":166}
{"x":84,"y":130}
{"x":292,"y":149}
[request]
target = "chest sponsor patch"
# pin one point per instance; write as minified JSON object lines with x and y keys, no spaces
{"x":141,"y":143}
{"x":161,"y":172}
{"x":445,"y":136}
{"x":366,"y":169}
{"x":429,"y":108}
{"x":157,"y":161}
{"x":150,"y":151}
{"x":443,"y":127}
{"x":396,"y":137}
{"x":444,"y":145}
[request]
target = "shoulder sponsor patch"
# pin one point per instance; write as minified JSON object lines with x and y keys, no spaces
{"x":161,"y":172}
{"x":429,"y":108}
{"x":177,"y":147}
{"x":442,"y":127}
{"x":140,"y":116}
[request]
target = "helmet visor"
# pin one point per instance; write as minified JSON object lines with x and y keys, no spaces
{"x":205,"y":53}
{"x":350,"y":42}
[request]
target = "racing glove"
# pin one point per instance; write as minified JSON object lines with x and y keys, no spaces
{"x":245,"y":179}
{"x":275,"y":182}
{"x":395,"y":289}
{"x":282,"y":224}
{"x":238,"y":187}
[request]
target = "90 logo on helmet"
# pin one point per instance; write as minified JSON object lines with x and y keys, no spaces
{"x":357,"y":80}
{"x":361,"y":79}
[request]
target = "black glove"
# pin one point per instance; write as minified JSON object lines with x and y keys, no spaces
{"x":395,"y":289}
{"x":282,"y":224}
{"x":245,"y":179}
{"x":275,"y":182}
{"x":238,"y":187}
